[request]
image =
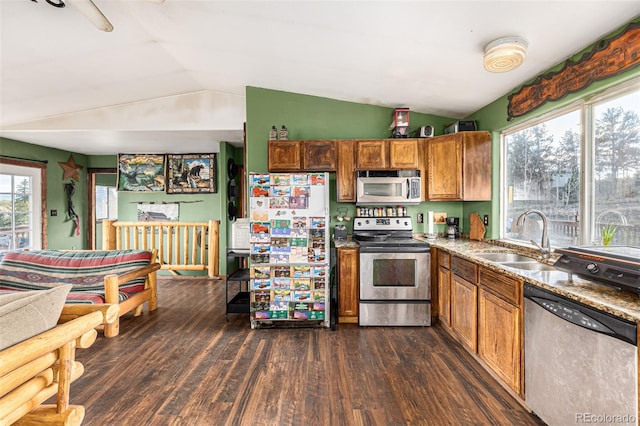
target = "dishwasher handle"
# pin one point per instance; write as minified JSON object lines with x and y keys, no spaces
{"x":582,"y":315}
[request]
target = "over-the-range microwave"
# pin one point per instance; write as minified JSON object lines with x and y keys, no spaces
{"x":388,"y":187}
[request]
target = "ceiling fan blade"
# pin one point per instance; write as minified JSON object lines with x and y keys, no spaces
{"x":91,"y":11}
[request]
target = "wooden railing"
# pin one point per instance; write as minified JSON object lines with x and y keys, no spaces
{"x":182,"y":246}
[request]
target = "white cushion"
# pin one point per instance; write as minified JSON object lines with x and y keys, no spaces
{"x":24,"y":314}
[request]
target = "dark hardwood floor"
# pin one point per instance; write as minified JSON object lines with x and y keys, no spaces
{"x":184,"y":364}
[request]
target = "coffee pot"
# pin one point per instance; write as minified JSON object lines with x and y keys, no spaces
{"x":453,"y":224}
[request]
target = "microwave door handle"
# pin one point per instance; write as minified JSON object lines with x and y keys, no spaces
{"x":408,"y":188}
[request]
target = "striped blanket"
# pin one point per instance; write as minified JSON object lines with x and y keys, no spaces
{"x":85,"y":270}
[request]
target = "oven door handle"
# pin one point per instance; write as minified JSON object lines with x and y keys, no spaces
{"x":387,"y":249}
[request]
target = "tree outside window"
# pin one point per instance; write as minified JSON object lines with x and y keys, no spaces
{"x":543,"y":166}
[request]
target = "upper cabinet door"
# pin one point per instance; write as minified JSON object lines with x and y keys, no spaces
{"x":372,"y":154}
{"x":476,"y":159}
{"x":319,"y":155}
{"x":444,"y":168}
{"x":459,"y":167}
{"x":284,"y":156}
{"x":346,"y":170}
{"x":404,"y":154}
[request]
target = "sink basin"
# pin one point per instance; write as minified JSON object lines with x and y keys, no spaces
{"x":504,"y":257}
{"x":529,"y":266}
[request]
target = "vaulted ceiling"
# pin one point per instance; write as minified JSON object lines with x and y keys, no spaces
{"x":177,"y":69}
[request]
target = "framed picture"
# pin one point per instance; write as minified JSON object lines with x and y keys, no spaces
{"x":141,"y":172}
{"x":191,"y":173}
{"x":158,"y":212}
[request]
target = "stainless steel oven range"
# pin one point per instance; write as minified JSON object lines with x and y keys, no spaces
{"x":395,"y":283}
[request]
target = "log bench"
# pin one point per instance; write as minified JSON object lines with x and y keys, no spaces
{"x":42,"y":366}
{"x":100,"y":280}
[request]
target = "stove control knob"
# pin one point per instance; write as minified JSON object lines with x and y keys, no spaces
{"x":593,"y":268}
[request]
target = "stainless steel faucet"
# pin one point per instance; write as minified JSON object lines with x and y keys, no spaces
{"x":545,"y":248}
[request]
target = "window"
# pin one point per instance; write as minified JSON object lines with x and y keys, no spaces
{"x":20,"y":207}
{"x":578,"y":166}
{"x":106,"y":202}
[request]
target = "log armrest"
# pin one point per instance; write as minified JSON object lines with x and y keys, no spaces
{"x":113,"y":282}
{"x":43,"y":366}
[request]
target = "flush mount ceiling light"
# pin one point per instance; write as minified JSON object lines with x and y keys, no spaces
{"x":504,"y":54}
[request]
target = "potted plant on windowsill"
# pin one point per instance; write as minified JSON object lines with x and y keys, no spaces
{"x":607,"y":233}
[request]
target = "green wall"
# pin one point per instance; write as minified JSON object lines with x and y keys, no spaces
{"x":312,"y":117}
{"x":493,"y":117}
{"x":60,"y":232}
{"x":306,"y":117}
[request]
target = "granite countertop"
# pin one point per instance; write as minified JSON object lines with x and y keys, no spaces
{"x":348,"y":243}
{"x":622,"y":304}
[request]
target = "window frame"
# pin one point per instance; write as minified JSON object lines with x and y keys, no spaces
{"x":587,"y":155}
{"x":38,"y":171}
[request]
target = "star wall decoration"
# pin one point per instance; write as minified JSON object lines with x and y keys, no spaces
{"x":71,"y":169}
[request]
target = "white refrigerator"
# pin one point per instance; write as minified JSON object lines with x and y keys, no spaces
{"x":289,"y":249}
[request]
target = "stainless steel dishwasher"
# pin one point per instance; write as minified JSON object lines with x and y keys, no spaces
{"x":581,"y":364}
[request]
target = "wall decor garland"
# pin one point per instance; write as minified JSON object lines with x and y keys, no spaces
{"x":606,"y":59}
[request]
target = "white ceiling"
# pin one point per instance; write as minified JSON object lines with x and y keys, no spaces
{"x":177,"y":70}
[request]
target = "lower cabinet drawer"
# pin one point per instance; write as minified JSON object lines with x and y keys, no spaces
{"x":465,"y":269}
{"x":510,"y":289}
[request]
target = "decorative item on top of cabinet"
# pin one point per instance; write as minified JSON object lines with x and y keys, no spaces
{"x":345,"y":170}
{"x":283,"y":135}
{"x":348,"y":284}
{"x":273,"y":133}
{"x":459,"y":167}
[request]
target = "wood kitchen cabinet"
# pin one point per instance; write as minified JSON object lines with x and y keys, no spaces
{"x":464,"y":301}
{"x":302,"y":156}
{"x":404,"y":154}
{"x":390,"y":154}
{"x":318,"y":155}
{"x":483,"y":309}
{"x":345,"y":170}
{"x":500,"y":330}
{"x":459,"y":167}
{"x":348,"y":284}
{"x":444,"y":287}
{"x":284,"y":156}
{"x":372,"y":154}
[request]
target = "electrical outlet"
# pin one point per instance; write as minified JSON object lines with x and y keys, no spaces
{"x":420,"y":218}
{"x":486,"y":220}
{"x":54,"y":212}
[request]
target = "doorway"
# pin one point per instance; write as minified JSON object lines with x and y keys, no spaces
{"x":103,"y":202}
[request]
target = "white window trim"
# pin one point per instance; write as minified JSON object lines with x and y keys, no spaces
{"x":35,"y":174}
{"x":585,"y":106}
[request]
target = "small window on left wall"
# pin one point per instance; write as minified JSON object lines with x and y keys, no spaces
{"x":20,"y":207}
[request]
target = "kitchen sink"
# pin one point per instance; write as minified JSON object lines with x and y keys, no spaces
{"x":504,"y":257}
{"x":529,"y":266}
